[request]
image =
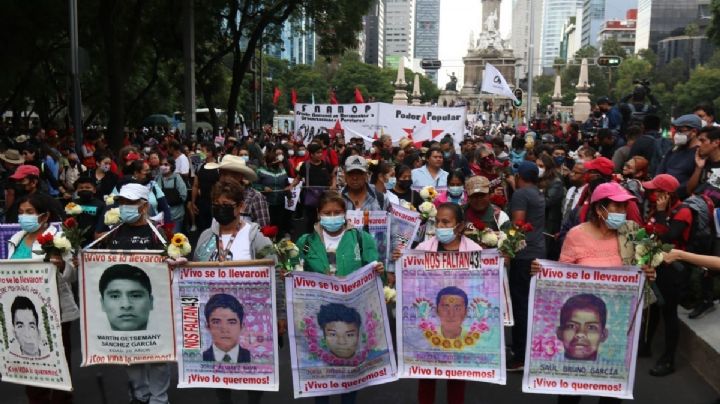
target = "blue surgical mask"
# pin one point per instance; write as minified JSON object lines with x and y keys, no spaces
{"x":559,"y":160}
{"x":332,"y":223}
{"x":29,"y":223}
{"x":245,"y":158}
{"x":447,"y":154}
{"x":456,"y":191}
{"x":615,"y":220}
{"x":390,"y":184}
{"x":129,"y":213}
{"x":445,"y":235}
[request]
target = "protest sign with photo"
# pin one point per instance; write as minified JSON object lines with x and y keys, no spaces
{"x":404,"y":226}
{"x":339,"y":333}
{"x":583,"y":330}
{"x":31,"y":344}
{"x":291,"y":201}
{"x":226,"y":328}
{"x":126,"y":308}
{"x":375,"y":222}
{"x":450,"y":316}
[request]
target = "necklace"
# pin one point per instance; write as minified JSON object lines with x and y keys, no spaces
{"x":223,"y":252}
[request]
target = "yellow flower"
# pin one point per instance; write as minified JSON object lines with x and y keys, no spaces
{"x":72,"y":209}
{"x":512,"y":232}
{"x":436,"y":340}
{"x":457,"y":344}
{"x":174,"y":251}
{"x":109,"y":200}
{"x":428,"y":334}
{"x":112,"y":216}
{"x":179,"y":239}
{"x":469,"y":340}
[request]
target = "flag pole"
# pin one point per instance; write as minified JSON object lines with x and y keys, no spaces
{"x":531,"y":58}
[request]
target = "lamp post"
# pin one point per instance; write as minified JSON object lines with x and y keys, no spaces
{"x":75,"y":77}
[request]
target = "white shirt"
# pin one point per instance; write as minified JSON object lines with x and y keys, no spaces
{"x":331,"y":242}
{"x":182,"y":165}
{"x":240,"y":248}
{"x":220,"y":354}
{"x":571,"y":199}
{"x":391,"y":198}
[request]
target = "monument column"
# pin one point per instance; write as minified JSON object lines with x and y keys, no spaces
{"x":489,"y":7}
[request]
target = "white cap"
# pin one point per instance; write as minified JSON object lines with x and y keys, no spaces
{"x":133,"y":192}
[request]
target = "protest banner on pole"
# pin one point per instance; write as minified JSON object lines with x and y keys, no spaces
{"x":31,"y":343}
{"x":339,"y":333}
{"x":583,"y":330}
{"x":451,"y":326}
{"x":226,"y":328}
{"x":375,"y":222}
{"x":126,"y":308}
{"x":292,"y":201}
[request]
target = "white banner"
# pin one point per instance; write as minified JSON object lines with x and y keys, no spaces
{"x":370,"y":121}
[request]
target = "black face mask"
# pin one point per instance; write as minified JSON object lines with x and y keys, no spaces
{"x":597,"y":114}
{"x":20,"y":190}
{"x":223,"y":214}
{"x":404,"y":184}
{"x":85,"y":196}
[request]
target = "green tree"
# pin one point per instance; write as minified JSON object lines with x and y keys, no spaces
{"x":632,"y":68}
{"x":703,"y":86}
{"x":611,"y":47}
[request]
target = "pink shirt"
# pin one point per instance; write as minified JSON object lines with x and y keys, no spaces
{"x":582,"y":248}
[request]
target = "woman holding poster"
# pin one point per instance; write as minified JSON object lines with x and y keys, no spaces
{"x":33,"y":217}
{"x":448,"y":237}
{"x":336,"y":248}
{"x":599,"y":242}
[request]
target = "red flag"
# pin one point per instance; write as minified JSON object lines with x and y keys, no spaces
{"x":276,"y":96}
{"x":358,"y":96}
{"x":333,"y":98}
{"x":293,"y":97}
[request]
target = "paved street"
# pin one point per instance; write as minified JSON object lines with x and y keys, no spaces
{"x":684,"y":387}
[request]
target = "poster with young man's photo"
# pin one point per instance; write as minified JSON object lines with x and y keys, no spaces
{"x":126,"y":308}
{"x":31,"y":345}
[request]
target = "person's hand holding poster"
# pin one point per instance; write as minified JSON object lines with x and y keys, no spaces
{"x":452,"y":316}
{"x":584,"y":330}
{"x":339,"y":334}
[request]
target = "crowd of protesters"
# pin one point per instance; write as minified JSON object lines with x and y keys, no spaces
{"x":580,"y":185}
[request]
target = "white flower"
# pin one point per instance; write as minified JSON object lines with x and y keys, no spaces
{"x":72,"y":209}
{"x":112,"y":216}
{"x":427,"y":208}
{"x":641,"y":250}
{"x":390,"y":294}
{"x":298,"y":268}
{"x":186,"y":249}
{"x":109,"y":200}
{"x":61,"y":242}
{"x":174,"y":252}
{"x":428,"y":193}
{"x":489,"y":238}
{"x":657,"y":259}
{"x":294,"y":252}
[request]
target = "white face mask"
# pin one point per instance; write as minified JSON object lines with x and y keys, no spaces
{"x":279,"y":157}
{"x":680,"y":139}
{"x":703,"y":123}
{"x":291,"y":152}
{"x":541,"y":172}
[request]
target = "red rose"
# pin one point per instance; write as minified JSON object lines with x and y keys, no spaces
{"x":45,"y":238}
{"x":527,"y":227}
{"x":270,"y":231}
{"x":70,"y":223}
{"x":479,"y":225}
{"x":650,"y":228}
{"x":519,"y":223}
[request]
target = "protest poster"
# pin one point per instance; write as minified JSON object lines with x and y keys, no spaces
{"x":32,"y":349}
{"x":226,"y":328}
{"x":375,"y":222}
{"x":451,"y":321}
{"x":292,"y":201}
{"x":126,"y":308}
{"x":371,"y":120}
{"x":583,"y":330}
{"x":404,"y":226}
{"x":508,"y":319}
{"x":339,"y":333}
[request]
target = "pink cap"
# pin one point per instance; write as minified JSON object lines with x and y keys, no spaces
{"x":612,"y":191}
{"x":25,"y":170}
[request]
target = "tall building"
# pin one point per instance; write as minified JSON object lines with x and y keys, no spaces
{"x":596,"y":12}
{"x":373,"y":33}
{"x":623,"y":31}
{"x":555,"y":13}
{"x":298,"y":42}
{"x":570,"y":39}
{"x":399,"y":28}
{"x":520,"y":38}
{"x":427,"y":32}
{"x":659,"y":19}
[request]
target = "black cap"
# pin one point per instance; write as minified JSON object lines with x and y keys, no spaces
{"x":605,"y":100}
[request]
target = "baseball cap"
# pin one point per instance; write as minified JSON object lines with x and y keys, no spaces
{"x":477,"y":184}
{"x":612,"y":191}
{"x":25,"y":170}
{"x":603,"y":165}
{"x":689,"y":120}
{"x":604,"y":100}
{"x":133,"y":192}
{"x":356,"y":163}
{"x":528,"y":170}
{"x":662,"y":182}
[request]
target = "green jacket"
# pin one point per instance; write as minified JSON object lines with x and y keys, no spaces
{"x":351,"y":255}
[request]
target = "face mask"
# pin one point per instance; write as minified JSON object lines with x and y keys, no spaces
{"x":85,"y":196}
{"x":680,"y":139}
{"x":445,"y":235}
{"x":597,"y":114}
{"x":652,"y":198}
{"x":29,"y":223}
{"x":447,"y":154}
{"x":559,"y":160}
{"x":405,"y":184}
{"x":615,"y":220}
{"x":223,"y":214}
{"x":390,"y":184}
{"x":129,"y":213}
{"x":703,"y":123}
{"x":245,"y":158}
{"x":164,"y":169}
{"x":291,"y":152}
{"x":332,"y":223}
{"x":105,"y":167}
{"x":20,"y":190}
{"x":541,"y":172}
{"x":279,"y":158}
{"x":455,"y":191}
{"x":373,"y":150}
{"x":301,"y":153}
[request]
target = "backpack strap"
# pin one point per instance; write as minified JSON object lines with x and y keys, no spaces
{"x":359,"y":239}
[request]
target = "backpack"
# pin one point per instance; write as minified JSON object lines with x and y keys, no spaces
{"x":661,"y":147}
{"x":702,"y":229}
{"x":637,"y":117}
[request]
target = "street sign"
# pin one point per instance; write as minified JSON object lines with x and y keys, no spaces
{"x":519,"y":95}
{"x":609,"y":61}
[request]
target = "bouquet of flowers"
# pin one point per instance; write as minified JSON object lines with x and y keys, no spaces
{"x":179,"y":246}
{"x":390,"y":294}
{"x":73,"y":233}
{"x":428,"y":193}
{"x":649,"y":250}
{"x":513,"y":238}
{"x":53,"y":244}
{"x":112,"y":216}
{"x":486,"y":237}
{"x":285,"y":250}
{"x":427,"y":210}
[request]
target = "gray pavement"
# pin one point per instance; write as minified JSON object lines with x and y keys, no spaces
{"x":685,"y":386}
